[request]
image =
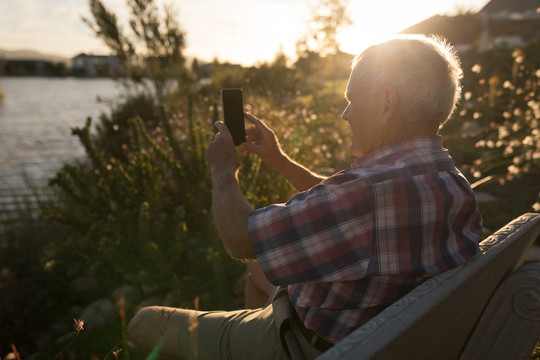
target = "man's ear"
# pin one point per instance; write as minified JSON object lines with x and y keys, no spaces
{"x":389,"y":103}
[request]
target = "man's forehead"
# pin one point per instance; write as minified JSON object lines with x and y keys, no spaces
{"x":348,"y":91}
{"x":353,"y":87}
{"x":351,"y":84}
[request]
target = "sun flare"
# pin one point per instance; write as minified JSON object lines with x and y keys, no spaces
{"x":376,"y":21}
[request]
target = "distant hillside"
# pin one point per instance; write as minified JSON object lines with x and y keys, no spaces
{"x":30,"y":55}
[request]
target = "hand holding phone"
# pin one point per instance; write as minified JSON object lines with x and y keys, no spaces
{"x":233,"y":114}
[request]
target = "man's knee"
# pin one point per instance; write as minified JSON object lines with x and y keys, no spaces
{"x":157,"y":324}
{"x":144,"y":326}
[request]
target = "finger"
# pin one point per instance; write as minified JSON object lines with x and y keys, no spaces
{"x":222,"y":127}
{"x":251,"y":136}
{"x":251,"y":130}
{"x":253,"y":140}
{"x":247,"y":147}
{"x":252,"y":119}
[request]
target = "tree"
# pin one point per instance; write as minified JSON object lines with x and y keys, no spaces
{"x":154,"y":49}
{"x":327,"y":19}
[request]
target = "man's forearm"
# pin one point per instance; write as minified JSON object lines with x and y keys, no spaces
{"x":231,"y":211}
{"x":297,"y":175}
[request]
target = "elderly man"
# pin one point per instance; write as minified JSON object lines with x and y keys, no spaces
{"x":346,"y":246}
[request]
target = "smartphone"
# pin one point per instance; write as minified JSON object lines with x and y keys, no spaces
{"x":233,"y":114}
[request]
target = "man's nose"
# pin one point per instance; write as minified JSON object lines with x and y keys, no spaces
{"x":345,"y":113}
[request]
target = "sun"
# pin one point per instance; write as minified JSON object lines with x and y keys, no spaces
{"x":376,"y":21}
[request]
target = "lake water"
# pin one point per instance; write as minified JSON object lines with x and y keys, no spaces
{"x":36,"y":117}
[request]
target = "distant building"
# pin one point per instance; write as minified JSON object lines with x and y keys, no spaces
{"x":23,"y":67}
{"x":95,"y":65}
{"x":509,"y":22}
{"x":512,"y":23}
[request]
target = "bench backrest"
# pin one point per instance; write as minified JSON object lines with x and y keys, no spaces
{"x":434,"y":320}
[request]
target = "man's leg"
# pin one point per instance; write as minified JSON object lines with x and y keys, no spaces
{"x":258,"y":289}
{"x":184,"y":334}
{"x":162,"y":329}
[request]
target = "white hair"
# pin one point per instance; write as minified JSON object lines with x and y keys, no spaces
{"x":425,"y":72}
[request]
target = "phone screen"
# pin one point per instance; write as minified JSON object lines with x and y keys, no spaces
{"x":233,"y":114}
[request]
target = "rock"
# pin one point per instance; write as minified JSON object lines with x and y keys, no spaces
{"x":169,"y":299}
{"x":151,"y":302}
{"x":98,"y":313}
{"x":128,"y":292}
{"x":149,"y":288}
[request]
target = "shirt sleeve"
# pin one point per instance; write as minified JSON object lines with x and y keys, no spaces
{"x":321,"y":235}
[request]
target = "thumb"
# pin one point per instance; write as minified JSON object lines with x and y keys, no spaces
{"x":220,"y":125}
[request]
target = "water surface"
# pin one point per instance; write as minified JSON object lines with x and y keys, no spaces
{"x":36,"y":117}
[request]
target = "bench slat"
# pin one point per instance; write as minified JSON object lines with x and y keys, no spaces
{"x":510,"y":325}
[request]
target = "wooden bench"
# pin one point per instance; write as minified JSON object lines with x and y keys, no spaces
{"x":486,"y":309}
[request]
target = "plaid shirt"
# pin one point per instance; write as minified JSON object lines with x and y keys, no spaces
{"x":350,"y":246}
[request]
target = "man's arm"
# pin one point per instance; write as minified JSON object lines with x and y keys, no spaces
{"x":262,"y":141}
{"x":229,"y":206}
{"x":297,"y":175}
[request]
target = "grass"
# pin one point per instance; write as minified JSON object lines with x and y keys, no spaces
{"x":536,"y":352}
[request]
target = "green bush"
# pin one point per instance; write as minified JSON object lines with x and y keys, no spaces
{"x":495,"y":135}
{"x":145,"y":221}
{"x":34,"y":294}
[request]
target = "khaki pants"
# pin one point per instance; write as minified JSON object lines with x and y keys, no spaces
{"x":267,"y":333}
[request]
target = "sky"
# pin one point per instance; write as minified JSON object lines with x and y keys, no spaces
{"x":240,"y":31}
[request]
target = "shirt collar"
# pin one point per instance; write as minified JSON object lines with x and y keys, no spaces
{"x":422,"y":143}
